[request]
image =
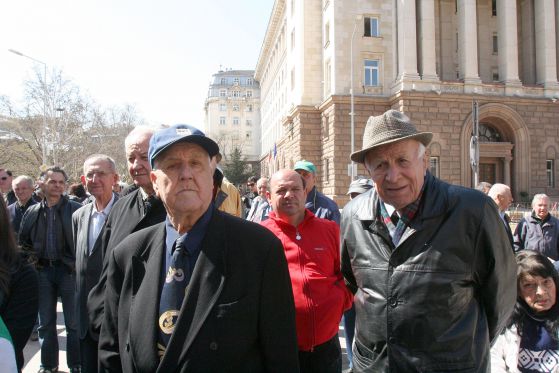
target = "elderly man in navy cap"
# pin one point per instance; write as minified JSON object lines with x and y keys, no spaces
{"x":203,"y":291}
{"x":429,"y":262}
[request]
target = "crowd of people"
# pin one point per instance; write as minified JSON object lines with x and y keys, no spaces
{"x":180,"y":271}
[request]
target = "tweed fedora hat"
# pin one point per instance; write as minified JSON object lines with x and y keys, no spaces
{"x":387,"y":128}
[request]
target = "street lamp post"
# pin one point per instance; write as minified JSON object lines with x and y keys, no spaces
{"x":44,"y":129}
{"x":352,"y":112}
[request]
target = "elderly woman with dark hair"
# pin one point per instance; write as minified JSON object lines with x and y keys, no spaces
{"x":531,"y":342}
{"x":18,"y":289}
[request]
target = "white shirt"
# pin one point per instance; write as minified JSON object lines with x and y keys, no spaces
{"x":97,"y":221}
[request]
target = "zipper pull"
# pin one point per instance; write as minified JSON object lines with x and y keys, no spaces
{"x":297,"y":236}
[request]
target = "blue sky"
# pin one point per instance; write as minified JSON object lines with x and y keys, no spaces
{"x":156,"y":55}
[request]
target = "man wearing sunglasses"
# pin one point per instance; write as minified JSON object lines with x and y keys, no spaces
{"x":6,"y":186}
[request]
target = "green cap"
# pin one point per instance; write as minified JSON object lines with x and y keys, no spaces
{"x":305,"y":165}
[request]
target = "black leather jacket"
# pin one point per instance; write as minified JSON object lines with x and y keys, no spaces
{"x":436,"y":301}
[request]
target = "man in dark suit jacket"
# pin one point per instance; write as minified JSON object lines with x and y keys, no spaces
{"x":88,"y":223}
{"x":501,"y":194}
{"x":137,"y":210}
{"x":203,"y":291}
{"x":23,"y":189}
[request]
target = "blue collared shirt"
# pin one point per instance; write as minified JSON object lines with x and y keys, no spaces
{"x":192,"y":240}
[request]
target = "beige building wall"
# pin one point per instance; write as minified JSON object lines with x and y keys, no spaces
{"x":435,"y":57}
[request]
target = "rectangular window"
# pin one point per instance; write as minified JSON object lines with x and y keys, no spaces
{"x":236,"y":94}
{"x":222,"y":93}
{"x":371,"y":27}
{"x":371,"y":73}
{"x":249,"y":93}
{"x":223,"y":81}
{"x":550,"y":170}
{"x":222,"y":107}
{"x":327,"y":170}
{"x":249,"y":81}
{"x":236,"y":121}
{"x":236,"y":81}
{"x":434,"y":166}
{"x":248,"y":135}
{"x":249,"y":107}
{"x":495,"y":74}
{"x":292,"y":78}
{"x":249,"y":122}
{"x":327,"y":78}
{"x":222,"y":120}
{"x":495,"y":44}
{"x":292,"y":39}
{"x":494,"y":8}
{"x":236,"y":107}
{"x":326,"y":34}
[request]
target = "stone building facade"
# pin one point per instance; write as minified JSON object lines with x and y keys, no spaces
{"x":232,"y":113}
{"x":430,"y":59}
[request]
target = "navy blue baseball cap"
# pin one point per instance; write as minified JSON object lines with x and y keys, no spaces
{"x":164,"y":138}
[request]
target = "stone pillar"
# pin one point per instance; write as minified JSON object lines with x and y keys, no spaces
{"x":467,"y":43}
{"x":427,"y":41}
{"x":407,"y":40}
{"x":546,"y":64}
{"x":508,"y":42}
{"x":506,"y":169}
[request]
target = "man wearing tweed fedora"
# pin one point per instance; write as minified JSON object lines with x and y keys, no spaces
{"x":429,"y":263}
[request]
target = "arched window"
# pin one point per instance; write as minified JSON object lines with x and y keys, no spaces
{"x":488,"y":133}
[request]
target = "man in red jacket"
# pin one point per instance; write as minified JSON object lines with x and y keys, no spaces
{"x":312,"y":249}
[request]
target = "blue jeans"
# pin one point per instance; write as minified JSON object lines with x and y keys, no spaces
{"x":53,"y":282}
{"x":349,"y":331}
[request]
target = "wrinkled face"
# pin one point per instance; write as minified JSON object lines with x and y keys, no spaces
{"x":538,"y":292}
{"x":99,"y":178}
{"x":309,"y":179}
{"x":262,"y":188}
{"x":397,"y":171}
{"x":541,"y":207}
{"x":5,"y":181}
{"x":54,"y":185}
{"x":287,"y":195}
{"x":183,"y":179}
{"x":23,"y":191}
{"x":505,"y":199}
{"x":138,"y":163}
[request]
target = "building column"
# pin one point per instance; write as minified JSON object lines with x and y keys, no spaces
{"x":546,"y":64}
{"x":467,"y":43}
{"x":427,"y":40}
{"x":506,"y":170}
{"x":508,"y":42}
{"x":407,"y":40}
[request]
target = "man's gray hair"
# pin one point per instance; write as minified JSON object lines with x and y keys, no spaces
{"x":25,"y":178}
{"x":539,"y":197}
{"x":497,"y":190}
{"x":100,"y":157}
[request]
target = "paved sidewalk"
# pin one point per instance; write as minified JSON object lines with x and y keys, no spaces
{"x":32,"y":351}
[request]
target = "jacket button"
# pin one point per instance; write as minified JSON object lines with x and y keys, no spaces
{"x":391,"y":340}
{"x":393,"y":302}
{"x":213,"y":346}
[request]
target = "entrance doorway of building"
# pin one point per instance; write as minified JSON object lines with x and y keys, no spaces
{"x":488,"y":172}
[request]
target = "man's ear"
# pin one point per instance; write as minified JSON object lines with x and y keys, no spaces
{"x":153,"y":178}
{"x":82,"y":178}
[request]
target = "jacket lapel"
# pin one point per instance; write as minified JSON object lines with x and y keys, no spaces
{"x":146,"y":270}
{"x":202,"y":293}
